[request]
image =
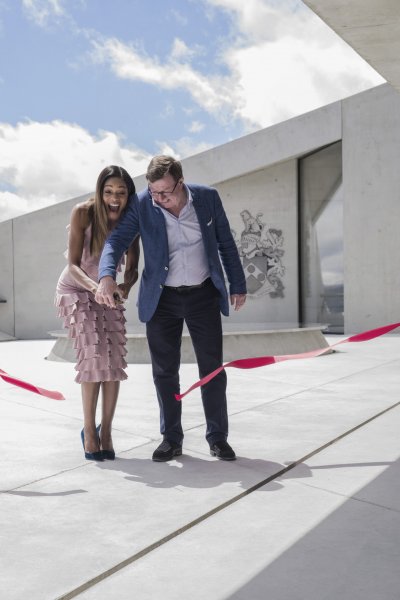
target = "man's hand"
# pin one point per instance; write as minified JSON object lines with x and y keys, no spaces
{"x":237,"y":300}
{"x":123,"y":290}
{"x":105,"y":292}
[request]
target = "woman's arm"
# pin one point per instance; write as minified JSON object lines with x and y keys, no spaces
{"x":79,"y":222}
{"x":131,"y":269}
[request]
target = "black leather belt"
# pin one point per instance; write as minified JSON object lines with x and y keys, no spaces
{"x":188,"y":288}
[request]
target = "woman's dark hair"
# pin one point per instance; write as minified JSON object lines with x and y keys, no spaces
{"x":114,"y":171}
{"x":98,"y":211}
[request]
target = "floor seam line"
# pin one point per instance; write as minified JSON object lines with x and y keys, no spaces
{"x":141,"y":553}
{"x":80,"y":466}
{"x":19,"y":487}
{"x":353,"y":497}
{"x":306,"y":389}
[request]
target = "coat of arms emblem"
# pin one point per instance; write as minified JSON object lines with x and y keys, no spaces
{"x":261,"y":252}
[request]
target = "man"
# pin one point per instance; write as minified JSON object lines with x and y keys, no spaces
{"x":184,"y":232}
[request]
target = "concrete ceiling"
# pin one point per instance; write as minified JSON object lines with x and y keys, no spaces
{"x":371,"y":27}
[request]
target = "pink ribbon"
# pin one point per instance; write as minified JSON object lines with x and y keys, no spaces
{"x":31,"y":388}
{"x":262,"y":361}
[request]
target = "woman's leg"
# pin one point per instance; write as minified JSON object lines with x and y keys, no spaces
{"x":110,"y":391}
{"x":90,"y":394}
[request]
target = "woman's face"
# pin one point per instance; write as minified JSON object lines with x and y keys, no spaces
{"x":115,"y":197}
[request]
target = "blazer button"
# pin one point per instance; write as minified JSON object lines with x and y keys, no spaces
{"x":161,"y":286}
{"x":166,"y":268}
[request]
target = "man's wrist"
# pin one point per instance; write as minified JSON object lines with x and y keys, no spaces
{"x":106,"y":279}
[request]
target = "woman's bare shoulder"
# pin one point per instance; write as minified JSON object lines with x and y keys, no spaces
{"x":82,"y":214}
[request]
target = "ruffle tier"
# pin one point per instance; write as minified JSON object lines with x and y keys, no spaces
{"x":99,"y":336}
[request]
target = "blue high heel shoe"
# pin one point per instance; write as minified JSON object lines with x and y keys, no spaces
{"x":98,"y":456}
{"x":107,"y":454}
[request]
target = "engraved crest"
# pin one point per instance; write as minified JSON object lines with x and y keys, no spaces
{"x":261,"y":250}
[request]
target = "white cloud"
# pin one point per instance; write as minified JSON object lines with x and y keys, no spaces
{"x":179,"y":17}
{"x":260,"y":20}
{"x":182,"y":148}
{"x":296,"y":77}
{"x":196,"y":127}
{"x":168,"y":111}
{"x":44,"y":163}
{"x":282,"y":61}
{"x":212,"y":93}
{"x":12,"y":206}
{"x":43,"y":11}
{"x":180,"y":50}
{"x":286,"y":61}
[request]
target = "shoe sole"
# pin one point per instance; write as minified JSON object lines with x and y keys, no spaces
{"x":222,"y":457}
{"x":108,"y":454}
{"x":176,"y":452}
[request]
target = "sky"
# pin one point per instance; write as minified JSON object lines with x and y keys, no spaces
{"x":87,"y":83}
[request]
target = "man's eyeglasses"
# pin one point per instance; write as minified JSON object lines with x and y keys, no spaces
{"x":163,"y":194}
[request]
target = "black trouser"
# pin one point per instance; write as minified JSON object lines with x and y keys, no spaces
{"x":200,"y":309}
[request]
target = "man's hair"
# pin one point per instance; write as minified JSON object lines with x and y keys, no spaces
{"x":162,"y":165}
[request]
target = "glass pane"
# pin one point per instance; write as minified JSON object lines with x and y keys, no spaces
{"x":321,"y":215}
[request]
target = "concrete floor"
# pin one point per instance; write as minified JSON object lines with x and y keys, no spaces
{"x":327,"y":527}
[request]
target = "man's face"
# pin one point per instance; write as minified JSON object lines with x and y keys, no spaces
{"x":166,"y":192}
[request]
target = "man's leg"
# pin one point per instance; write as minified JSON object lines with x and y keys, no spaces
{"x":203,"y":318}
{"x":164,"y":335}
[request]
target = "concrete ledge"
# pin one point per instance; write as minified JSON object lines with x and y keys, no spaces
{"x":237,"y":344}
{"x":5,"y":337}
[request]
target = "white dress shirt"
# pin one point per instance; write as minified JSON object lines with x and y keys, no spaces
{"x":188,"y":263}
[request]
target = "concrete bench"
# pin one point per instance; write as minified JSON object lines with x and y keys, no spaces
{"x":5,"y":337}
{"x":240,"y":341}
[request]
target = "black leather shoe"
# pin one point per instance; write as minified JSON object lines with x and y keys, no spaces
{"x":222,"y":450}
{"x":167,"y":450}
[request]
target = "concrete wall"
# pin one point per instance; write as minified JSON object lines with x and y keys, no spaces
{"x":271,"y":196}
{"x":256,"y":174}
{"x":256,"y":151}
{"x":371,"y":175}
{"x":31,"y":260}
{"x":6,"y":278}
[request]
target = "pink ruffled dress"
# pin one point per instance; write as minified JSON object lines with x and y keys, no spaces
{"x":98,"y":332}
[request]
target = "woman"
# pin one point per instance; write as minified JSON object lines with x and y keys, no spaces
{"x":98,"y":331}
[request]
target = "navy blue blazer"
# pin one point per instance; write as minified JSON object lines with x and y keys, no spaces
{"x":142,"y":217}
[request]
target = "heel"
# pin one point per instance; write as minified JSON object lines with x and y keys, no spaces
{"x":107,"y":454}
{"x":97,"y":456}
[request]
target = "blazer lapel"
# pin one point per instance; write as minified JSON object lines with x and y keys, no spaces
{"x":203,"y":214}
